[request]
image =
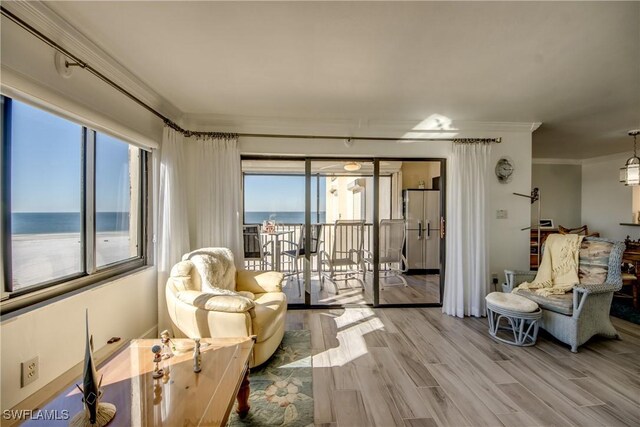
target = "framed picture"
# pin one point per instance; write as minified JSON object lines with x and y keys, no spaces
{"x":546,"y":223}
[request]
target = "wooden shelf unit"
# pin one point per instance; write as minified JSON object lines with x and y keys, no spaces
{"x":533,"y":253}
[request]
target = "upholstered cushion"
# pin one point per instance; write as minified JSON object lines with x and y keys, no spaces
{"x":594,"y":261}
{"x":181,"y":276}
{"x":511,"y":302}
{"x":271,"y":307}
{"x":562,"y":304}
{"x":226,"y":303}
{"x":215,"y":267}
{"x":583,"y":231}
{"x":259,"y":281}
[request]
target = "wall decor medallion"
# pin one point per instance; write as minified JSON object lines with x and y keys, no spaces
{"x":504,"y":170}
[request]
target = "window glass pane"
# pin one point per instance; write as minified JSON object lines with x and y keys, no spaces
{"x":117,"y":200}
{"x":46,"y":191}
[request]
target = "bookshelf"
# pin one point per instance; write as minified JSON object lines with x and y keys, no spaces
{"x":533,"y":254}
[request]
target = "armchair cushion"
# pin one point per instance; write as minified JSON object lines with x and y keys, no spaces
{"x":259,"y":282}
{"x":594,"y":261}
{"x":213,"y":302}
{"x":560,"y":303}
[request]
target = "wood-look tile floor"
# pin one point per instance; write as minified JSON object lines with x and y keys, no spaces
{"x":418,"y":367}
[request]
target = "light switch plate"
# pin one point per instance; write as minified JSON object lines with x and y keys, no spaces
{"x":502,"y":214}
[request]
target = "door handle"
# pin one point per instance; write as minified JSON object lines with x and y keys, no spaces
{"x":419,"y":230}
{"x":428,"y":229}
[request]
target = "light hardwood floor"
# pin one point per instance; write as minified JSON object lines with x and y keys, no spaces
{"x":418,"y":367}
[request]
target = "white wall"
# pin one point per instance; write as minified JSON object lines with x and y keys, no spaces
{"x":509,"y":246}
{"x":126,"y":307}
{"x":560,"y":193}
{"x":605,"y":201}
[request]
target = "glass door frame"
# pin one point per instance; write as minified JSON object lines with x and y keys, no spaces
{"x":376,"y":220}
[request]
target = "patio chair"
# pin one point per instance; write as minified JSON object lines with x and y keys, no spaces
{"x":344,"y":261}
{"x":254,"y":250}
{"x":576,"y":316}
{"x":391,"y":242}
{"x":298,"y":250}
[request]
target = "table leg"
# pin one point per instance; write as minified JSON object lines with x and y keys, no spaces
{"x":277,"y":254}
{"x":243,"y":396}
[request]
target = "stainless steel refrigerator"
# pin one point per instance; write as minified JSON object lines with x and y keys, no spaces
{"x":422,"y":215}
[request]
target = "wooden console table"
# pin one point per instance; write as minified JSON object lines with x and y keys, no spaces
{"x":180,"y":398}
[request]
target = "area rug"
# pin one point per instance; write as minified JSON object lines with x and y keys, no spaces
{"x":281,"y":389}
{"x":623,"y":309}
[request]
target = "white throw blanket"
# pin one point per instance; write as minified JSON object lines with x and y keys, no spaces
{"x":217,"y":271}
{"x":558,"y":272}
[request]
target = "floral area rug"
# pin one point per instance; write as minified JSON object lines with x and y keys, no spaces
{"x":281,"y":388}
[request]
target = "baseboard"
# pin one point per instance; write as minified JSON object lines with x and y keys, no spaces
{"x":65,"y":380}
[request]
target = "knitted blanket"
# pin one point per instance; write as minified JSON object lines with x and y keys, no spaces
{"x":558,"y":272}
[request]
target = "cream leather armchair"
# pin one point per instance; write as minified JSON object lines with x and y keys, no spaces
{"x":208,"y":297}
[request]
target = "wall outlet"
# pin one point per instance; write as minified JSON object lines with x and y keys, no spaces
{"x":30,"y":370}
{"x":502,"y":214}
{"x":494,"y":278}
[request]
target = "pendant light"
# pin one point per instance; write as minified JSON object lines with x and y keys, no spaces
{"x":630,"y":173}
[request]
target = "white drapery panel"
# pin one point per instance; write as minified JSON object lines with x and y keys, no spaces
{"x":199,"y":202}
{"x":215,"y":194}
{"x":467,"y":264}
{"x":173,"y":231}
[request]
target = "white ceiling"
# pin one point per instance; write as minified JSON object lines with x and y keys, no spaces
{"x":575,"y":67}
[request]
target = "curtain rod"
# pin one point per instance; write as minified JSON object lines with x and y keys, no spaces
{"x":173,"y":125}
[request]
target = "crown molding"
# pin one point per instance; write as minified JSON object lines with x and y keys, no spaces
{"x":45,"y":20}
{"x":550,"y":161}
{"x":353,"y":127}
{"x":622,"y":157}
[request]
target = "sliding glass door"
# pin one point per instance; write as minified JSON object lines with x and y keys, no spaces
{"x":361,"y":248}
{"x":411,"y":217}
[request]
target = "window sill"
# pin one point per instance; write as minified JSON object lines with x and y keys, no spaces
{"x":20,"y":304}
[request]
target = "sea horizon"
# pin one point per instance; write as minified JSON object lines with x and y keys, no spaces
{"x":282,"y":217}
{"x":65,"y":222}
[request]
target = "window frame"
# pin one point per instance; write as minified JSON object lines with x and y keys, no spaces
{"x":91,"y":275}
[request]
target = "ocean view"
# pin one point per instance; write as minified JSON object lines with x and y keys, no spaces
{"x":65,"y":222}
{"x":295,"y":217}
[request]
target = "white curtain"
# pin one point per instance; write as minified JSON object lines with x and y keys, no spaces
{"x":173,"y":231}
{"x":215,"y":194}
{"x":467,"y":268}
{"x":199,"y":202}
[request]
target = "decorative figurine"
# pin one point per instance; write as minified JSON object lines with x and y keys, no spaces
{"x":157,"y":371}
{"x":197,"y":357}
{"x":96,"y":413}
{"x":165,"y":338}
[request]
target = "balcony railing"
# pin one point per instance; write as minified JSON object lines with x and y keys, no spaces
{"x":293,"y":233}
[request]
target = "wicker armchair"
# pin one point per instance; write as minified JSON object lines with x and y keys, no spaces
{"x":576,"y":316}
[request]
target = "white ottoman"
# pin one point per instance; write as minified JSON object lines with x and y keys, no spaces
{"x":521,"y":315}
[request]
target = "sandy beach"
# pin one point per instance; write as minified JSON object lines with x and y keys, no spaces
{"x":42,"y":257}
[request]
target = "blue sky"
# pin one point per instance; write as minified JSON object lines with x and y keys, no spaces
{"x":275,"y":193}
{"x":46,"y":165}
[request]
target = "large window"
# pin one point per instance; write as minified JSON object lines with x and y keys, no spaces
{"x":72,"y":201}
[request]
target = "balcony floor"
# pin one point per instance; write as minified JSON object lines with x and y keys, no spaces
{"x":422,"y":289}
